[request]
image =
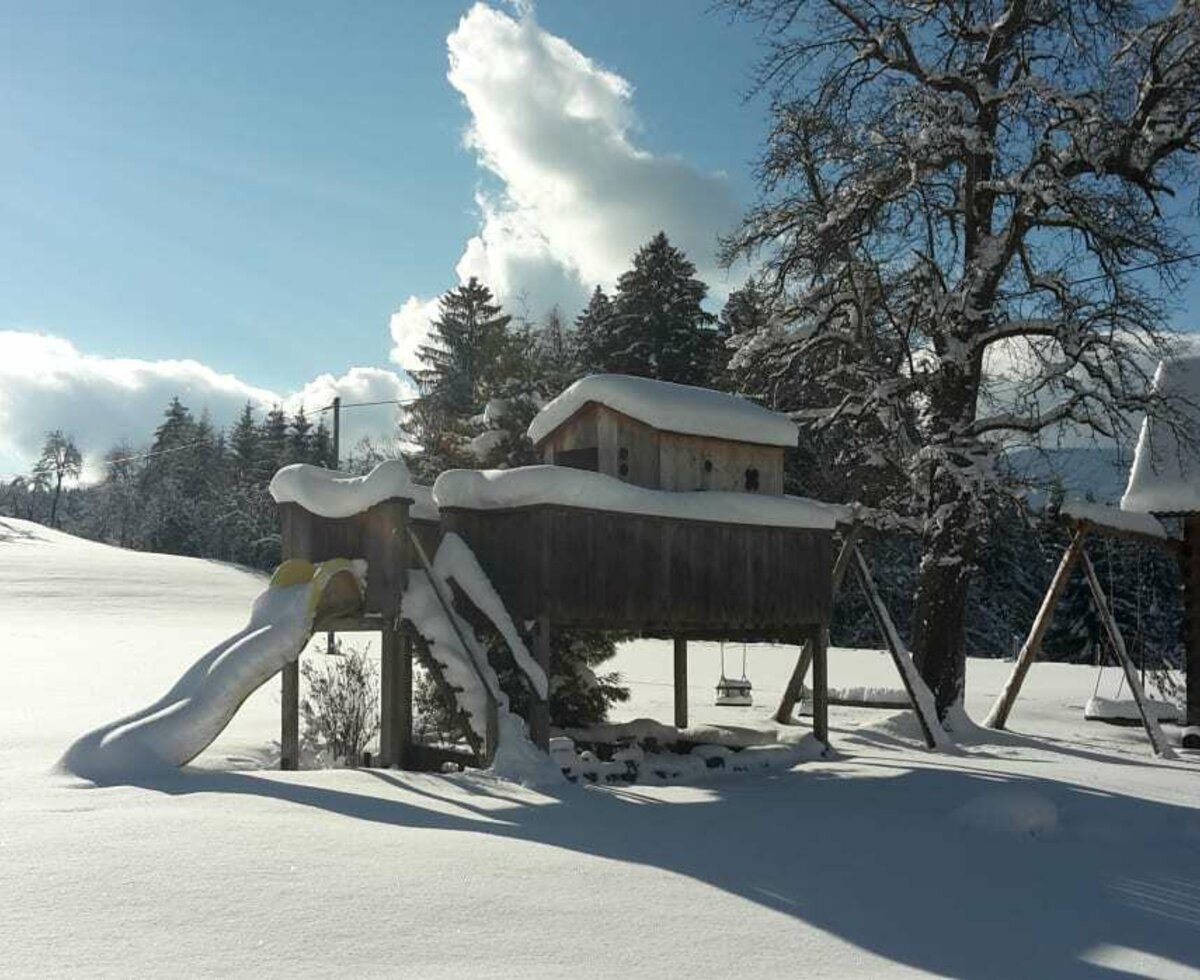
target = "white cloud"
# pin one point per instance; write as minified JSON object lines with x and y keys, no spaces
{"x":578,"y":195}
{"x":47,"y":383}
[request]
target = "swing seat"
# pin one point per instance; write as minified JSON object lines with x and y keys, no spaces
{"x":1125,"y":711}
{"x":733,"y":693}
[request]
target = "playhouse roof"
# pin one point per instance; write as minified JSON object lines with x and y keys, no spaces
{"x":670,"y":408}
{"x":1165,"y":476}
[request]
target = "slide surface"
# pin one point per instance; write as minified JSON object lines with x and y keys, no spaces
{"x":183,"y":722}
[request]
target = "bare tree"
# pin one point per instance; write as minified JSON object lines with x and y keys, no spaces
{"x":60,"y":460}
{"x":954,"y":194}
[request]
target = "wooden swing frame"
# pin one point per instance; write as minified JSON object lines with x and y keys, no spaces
{"x":1076,"y":552}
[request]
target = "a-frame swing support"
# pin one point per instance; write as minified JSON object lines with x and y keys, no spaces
{"x":1077,"y":553}
{"x":922,"y":703}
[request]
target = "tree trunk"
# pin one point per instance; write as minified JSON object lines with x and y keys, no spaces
{"x":54,"y":502}
{"x":939,"y":626}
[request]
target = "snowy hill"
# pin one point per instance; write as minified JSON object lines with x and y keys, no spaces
{"x":1063,"y":849}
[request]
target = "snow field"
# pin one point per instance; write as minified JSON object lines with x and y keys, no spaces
{"x":1061,"y":848}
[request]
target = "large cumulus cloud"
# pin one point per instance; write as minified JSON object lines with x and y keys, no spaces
{"x":577,"y":195}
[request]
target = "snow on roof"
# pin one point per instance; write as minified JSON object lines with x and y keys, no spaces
{"x":329,"y":493}
{"x":1165,"y":476}
{"x":530,"y":485}
{"x":671,"y":408}
{"x":1111,"y":517}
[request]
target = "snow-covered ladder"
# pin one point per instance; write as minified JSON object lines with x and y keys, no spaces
{"x":483,"y":748}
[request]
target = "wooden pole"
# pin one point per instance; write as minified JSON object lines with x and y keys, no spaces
{"x":330,"y":644}
{"x":820,"y":666}
{"x":1191,"y":605}
{"x":404,"y":703}
{"x":795,"y":685}
{"x":289,"y":727}
{"x":388,"y":689}
{"x":998,"y":717}
{"x":891,"y":636}
{"x":1157,"y":740}
{"x":539,"y":715}
{"x":681,"y":693}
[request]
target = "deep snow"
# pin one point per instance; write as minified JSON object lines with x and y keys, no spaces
{"x":1059,"y":849}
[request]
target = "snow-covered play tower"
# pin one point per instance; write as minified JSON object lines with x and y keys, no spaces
{"x":660,"y":512}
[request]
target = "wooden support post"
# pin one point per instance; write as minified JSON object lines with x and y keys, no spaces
{"x":795,"y":685}
{"x":395,"y":692}
{"x":289,"y":727}
{"x":681,"y":692}
{"x":1157,"y":740}
{"x":404,"y":703}
{"x":539,"y":715}
{"x":1190,"y":566}
{"x":998,"y":717}
{"x":923,"y":709}
{"x":820,"y":665}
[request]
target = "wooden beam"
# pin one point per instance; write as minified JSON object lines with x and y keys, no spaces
{"x":539,"y":715}
{"x":820,"y":665}
{"x":998,"y":717}
{"x":681,"y":692}
{"x":289,"y":723}
{"x":795,"y":685}
{"x":1157,"y":740}
{"x":891,"y":636}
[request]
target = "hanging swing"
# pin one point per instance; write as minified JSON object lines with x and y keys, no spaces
{"x":1114,"y":710}
{"x":731,"y":692}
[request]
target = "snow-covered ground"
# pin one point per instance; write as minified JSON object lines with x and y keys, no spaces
{"x":1062,"y":849}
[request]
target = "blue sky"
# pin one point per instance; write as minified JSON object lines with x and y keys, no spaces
{"x":259,"y":200}
{"x":261,"y":184}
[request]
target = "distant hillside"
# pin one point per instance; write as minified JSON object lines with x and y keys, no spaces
{"x":1093,"y":472}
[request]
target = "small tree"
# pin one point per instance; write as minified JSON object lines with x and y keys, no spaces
{"x":60,"y":460}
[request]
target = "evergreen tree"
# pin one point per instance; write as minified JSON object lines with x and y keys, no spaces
{"x":595,"y":339}
{"x":322,"y":446}
{"x":300,"y":438}
{"x":273,"y":442}
{"x":467,"y":362}
{"x":244,"y":442}
{"x":661,"y":330}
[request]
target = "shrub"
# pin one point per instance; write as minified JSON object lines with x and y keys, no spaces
{"x":341,"y":707}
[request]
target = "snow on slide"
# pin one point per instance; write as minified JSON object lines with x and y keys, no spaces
{"x":184,"y":721}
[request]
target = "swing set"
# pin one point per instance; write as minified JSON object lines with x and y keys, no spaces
{"x":1150,"y":531}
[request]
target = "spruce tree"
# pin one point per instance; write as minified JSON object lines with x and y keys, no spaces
{"x":466,"y":363}
{"x":661,"y":329}
{"x":595,"y":340}
{"x":300,"y":438}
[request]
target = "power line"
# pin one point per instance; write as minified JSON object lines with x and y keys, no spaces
{"x":158,"y":452}
{"x":386,"y":401}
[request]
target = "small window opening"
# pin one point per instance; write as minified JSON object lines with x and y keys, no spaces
{"x":708,"y":466}
{"x":622,"y":454}
{"x":752,"y":479}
